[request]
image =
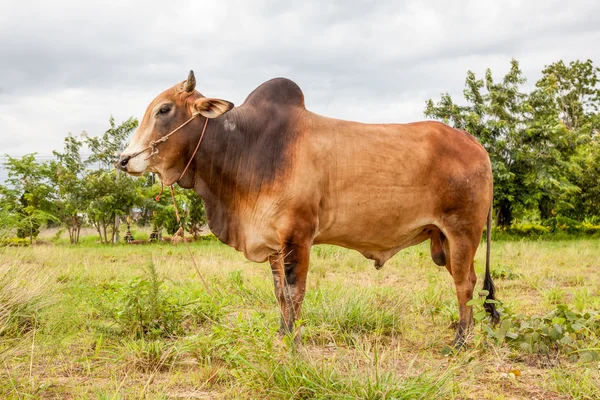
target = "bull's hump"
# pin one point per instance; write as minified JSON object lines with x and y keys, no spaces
{"x":281,"y":91}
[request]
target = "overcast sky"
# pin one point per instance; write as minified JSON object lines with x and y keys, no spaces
{"x":66,"y":66}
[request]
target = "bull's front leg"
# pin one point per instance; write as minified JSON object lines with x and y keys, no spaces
{"x":289,"y":269}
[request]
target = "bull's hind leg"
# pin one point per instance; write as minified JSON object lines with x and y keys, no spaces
{"x":289,"y":269}
{"x":461,"y":267}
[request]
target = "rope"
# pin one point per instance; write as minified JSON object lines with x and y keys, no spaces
{"x":155,"y":143}
{"x":181,"y":232}
{"x":195,"y":151}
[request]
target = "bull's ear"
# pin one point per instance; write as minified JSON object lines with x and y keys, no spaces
{"x":212,"y":108}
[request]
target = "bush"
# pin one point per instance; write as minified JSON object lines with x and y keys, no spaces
{"x":14,"y":242}
{"x":558,"y":227}
{"x":564,"y":224}
{"x":527,"y":230}
{"x":145,"y":311}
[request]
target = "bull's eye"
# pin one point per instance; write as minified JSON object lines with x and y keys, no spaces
{"x":164,"y":109}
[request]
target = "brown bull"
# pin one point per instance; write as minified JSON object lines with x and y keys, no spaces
{"x":277,"y":178}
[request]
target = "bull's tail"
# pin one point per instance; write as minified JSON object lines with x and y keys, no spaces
{"x":487,"y":282}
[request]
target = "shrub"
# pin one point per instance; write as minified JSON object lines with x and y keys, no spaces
{"x":564,"y":224}
{"x":144,"y":309}
{"x":527,"y":230}
{"x":14,"y":242}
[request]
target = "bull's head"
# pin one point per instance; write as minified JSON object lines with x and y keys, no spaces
{"x":165,"y":113}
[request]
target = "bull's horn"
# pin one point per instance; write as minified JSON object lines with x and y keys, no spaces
{"x":190,"y":84}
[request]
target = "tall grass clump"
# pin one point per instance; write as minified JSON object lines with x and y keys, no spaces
{"x":22,"y":297}
{"x":262,"y":368}
{"x":337,"y":315}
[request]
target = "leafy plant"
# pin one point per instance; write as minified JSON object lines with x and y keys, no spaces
{"x":27,"y":195}
{"x":561,"y":331}
{"x":145,"y":310}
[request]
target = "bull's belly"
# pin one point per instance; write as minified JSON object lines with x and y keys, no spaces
{"x":377,"y":243}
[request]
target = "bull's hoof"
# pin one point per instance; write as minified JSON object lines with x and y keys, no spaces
{"x":294,"y":336}
{"x":460,"y":342}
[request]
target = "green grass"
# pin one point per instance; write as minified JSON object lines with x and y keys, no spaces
{"x":96,"y":322}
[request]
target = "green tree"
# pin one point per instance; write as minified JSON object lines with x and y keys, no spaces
{"x":110,"y":197}
{"x":496,"y":114}
{"x":107,"y":148}
{"x":69,"y":196}
{"x":164,"y":212}
{"x":196,"y":215}
{"x":565,"y":105}
{"x":26,"y":195}
{"x":540,"y":143}
{"x":573,"y":93}
{"x":111,"y":194}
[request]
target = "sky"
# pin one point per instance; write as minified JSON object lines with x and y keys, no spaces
{"x":67,"y":66}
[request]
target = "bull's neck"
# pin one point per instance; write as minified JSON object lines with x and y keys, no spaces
{"x":219,"y":172}
{"x":217,"y":163}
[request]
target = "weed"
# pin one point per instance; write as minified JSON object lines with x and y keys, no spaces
{"x":583,"y":385}
{"x":505,"y":272}
{"x":146,"y":355}
{"x":554,"y":295}
{"x":145,"y":310}
{"x":342,"y":318}
{"x":561,"y":331}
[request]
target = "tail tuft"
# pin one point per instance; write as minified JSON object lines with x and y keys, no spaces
{"x":490,"y":307}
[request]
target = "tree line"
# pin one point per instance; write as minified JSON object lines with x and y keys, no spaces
{"x":544,"y":146}
{"x":72,"y":192}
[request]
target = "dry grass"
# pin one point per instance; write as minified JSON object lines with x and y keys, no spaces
{"x":367,"y":333}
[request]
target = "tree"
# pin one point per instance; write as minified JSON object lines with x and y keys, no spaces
{"x":111,"y":196}
{"x":27,"y":195}
{"x":573,"y":92}
{"x":495,"y":114}
{"x":107,"y":148}
{"x":566,"y":101}
{"x":190,"y":206}
{"x":164,"y":214}
{"x":196,"y":215}
{"x":111,"y":193}
{"x":69,"y":196}
{"x":538,"y":142}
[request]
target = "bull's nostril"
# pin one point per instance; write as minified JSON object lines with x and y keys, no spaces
{"x":123,"y":161}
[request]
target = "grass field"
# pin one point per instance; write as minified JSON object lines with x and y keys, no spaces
{"x":125,"y":322}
